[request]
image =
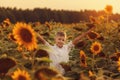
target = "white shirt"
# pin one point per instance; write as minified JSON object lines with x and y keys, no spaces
{"x":58,"y":55}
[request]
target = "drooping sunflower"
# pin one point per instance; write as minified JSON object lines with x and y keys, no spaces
{"x":20,"y":75}
{"x":102,"y":54}
{"x":83,"y":59}
{"x":48,"y":25}
{"x":25,"y":35}
{"x":45,"y":73}
{"x":42,"y":53}
{"x":101,"y":38}
{"x":6,"y":63}
{"x":11,"y":37}
{"x":80,"y":44}
{"x":93,"y":20}
{"x":92,"y":35}
{"x":96,"y":48}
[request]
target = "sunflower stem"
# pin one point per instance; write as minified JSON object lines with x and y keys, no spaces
{"x":33,"y":59}
{"x":93,"y":62}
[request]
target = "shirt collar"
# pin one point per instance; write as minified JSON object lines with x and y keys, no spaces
{"x":57,"y":46}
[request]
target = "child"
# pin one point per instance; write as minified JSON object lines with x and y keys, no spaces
{"x":60,"y":51}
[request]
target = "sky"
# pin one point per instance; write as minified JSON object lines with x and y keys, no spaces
{"x":75,"y":5}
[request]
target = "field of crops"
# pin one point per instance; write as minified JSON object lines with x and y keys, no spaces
{"x":95,"y":57}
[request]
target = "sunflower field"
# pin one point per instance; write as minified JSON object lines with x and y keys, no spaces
{"x":95,"y":57}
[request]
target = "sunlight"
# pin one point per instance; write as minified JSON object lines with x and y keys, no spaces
{"x":62,"y":4}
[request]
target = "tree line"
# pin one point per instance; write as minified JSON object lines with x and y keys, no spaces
{"x":44,"y":14}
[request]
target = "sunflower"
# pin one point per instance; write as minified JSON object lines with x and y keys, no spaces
{"x":92,"y":35}
{"x":108,"y":9}
{"x":48,"y":25}
{"x":25,"y":36}
{"x":113,"y":57}
{"x":101,"y":18}
{"x":19,"y":48}
{"x":20,"y":75}
{"x":96,"y":48}
{"x":90,"y":25}
{"x":6,"y":63}
{"x":77,"y":28}
{"x":45,"y":73}
{"x":83,"y":76}
{"x":11,"y":37}
{"x":7,"y":22}
{"x":102,"y":54}
{"x":80,"y":44}
{"x":42,"y":53}
{"x":36,"y":24}
{"x":118,"y":62}
{"x":83,"y":59}
{"x":65,"y":66}
{"x":90,"y":73}
{"x":101,"y":38}
{"x":93,"y":20}
{"x":117,"y":54}
{"x":118,"y":69}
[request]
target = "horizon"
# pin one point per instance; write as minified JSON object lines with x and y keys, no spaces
{"x":70,"y":5}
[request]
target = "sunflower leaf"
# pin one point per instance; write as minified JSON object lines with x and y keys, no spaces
{"x":43,"y":47}
{"x":44,"y":59}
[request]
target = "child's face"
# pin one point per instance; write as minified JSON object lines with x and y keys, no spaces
{"x":60,"y":41}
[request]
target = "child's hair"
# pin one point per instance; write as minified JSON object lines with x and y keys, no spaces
{"x":61,"y":33}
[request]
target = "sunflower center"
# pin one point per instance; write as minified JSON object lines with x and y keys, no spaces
{"x":26,"y":35}
{"x":96,"y":47}
{"x":21,"y":77}
{"x":6,"y":63}
{"x":83,"y":59}
{"x":92,"y":35}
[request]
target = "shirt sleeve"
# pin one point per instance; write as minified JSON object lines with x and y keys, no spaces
{"x":70,"y":45}
{"x":47,"y":44}
{"x":51,"y":48}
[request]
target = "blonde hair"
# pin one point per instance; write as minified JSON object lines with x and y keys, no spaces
{"x":61,"y":33}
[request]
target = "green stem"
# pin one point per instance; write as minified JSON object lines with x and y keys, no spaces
{"x":93,"y":62}
{"x":33,"y":59}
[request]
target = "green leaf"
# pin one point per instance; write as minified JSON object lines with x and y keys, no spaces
{"x":44,"y":59}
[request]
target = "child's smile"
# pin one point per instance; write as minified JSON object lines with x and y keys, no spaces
{"x":60,"y":41}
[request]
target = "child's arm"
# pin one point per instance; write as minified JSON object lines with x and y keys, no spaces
{"x":41,"y":38}
{"x":76,"y":40}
